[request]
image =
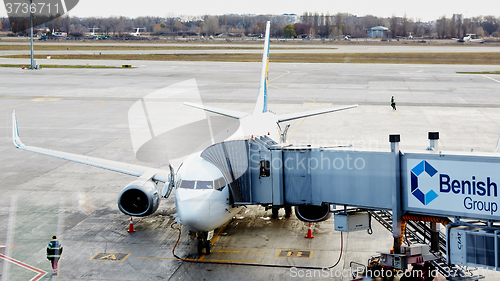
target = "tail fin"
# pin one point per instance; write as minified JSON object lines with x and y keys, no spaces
{"x":261,"y":105}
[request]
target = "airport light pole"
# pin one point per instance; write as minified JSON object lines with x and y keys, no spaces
{"x":31,"y":24}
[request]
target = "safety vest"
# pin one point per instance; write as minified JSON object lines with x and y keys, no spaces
{"x":54,"y":249}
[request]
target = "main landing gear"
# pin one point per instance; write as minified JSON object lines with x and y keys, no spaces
{"x":204,"y":243}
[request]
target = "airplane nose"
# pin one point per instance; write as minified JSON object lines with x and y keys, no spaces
{"x":193,"y":209}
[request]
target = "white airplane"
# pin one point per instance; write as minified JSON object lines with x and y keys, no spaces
{"x":136,"y":33}
{"x":468,"y":38}
{"x":93,"y":33}
{"x":202,"y":195}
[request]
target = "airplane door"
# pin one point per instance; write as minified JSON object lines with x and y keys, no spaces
{"x":262,"y":182}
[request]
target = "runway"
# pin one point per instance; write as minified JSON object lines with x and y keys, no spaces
{"x":85,"y":111}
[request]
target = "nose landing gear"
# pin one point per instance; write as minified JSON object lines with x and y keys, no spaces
{"x":204,"y":243}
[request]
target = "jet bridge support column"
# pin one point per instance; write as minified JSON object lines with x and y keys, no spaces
{"x":396,"y":195}
{"x":434,"y":138}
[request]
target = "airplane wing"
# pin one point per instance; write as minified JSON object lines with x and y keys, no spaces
{"x":292,"y":116}
{"x":129,"y":169}
{"x":226,"y":112}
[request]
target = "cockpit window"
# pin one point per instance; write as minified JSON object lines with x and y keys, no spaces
{"x":188,"y":184}
{"x":220,"y":184}
{"x":204,"y":185}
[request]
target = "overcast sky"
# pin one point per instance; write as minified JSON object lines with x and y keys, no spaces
{"x":424,"y":9}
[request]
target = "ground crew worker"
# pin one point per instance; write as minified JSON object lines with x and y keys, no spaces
{"x":54,"y":251}
{"x":393,"y":103}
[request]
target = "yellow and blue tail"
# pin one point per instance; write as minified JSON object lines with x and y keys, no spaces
{"x":261,"y":105}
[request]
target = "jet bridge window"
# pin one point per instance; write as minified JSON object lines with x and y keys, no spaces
{"x":188,"y":184}
{"x":204,"y":185}
{"x":219,"y":184}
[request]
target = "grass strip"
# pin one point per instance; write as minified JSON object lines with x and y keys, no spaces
{"x":61,"y":66}
{"x":53,"y":47}
{"x":491,"y":58}
{"x":482,"y":72}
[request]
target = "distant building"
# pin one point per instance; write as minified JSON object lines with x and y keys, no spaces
{"x":291,"y":18}
{"x":378,"y":32}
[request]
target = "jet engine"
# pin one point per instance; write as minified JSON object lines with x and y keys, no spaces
{"x":139,"y":198}
{"x":311,"y":213}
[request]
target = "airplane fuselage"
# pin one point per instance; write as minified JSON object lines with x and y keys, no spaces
{"x":201,"y":208}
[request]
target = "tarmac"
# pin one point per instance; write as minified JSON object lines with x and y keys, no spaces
{"x":85,"y":111}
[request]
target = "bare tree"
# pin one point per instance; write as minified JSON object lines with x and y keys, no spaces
{"x":212,"y":25}
{"x":394,"y":25}
{"x":67,"y":24}
{"x":441,"y":27}
{"x":404,"y":25}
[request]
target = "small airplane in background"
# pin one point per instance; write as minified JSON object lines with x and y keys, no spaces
{"x":468,"y":38}
{"x":93,"y":33}
{"x":136,"y":33}
{"x":202,"y":192}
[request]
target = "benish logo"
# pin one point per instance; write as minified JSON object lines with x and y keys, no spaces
{"x":420,"y":168}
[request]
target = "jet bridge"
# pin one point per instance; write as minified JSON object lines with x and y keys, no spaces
{"x":263,"y":172}
{"x":459,"y":185}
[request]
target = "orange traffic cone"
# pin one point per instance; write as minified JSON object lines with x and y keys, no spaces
{"x":309,"y":232}
{"x":131,"y":227}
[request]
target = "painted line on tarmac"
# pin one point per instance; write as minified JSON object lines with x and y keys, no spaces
{"x":240,"y":261}
{"x":40,"y":272}
{"x":219,"y":233}
{"x":492,"y":79}
{"x":105,"y":256}
{"x":239,"y":252}
{"x":17,"y":105}
{"x":233,"y":261}
{"x":154,"y":258}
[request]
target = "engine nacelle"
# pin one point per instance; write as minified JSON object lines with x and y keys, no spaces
{"x":139,"y":198}
{"x":311,"y":213}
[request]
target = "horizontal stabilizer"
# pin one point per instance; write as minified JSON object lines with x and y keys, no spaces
{"x":292,"y":116}
{"x":226,"y":112}
{"x":129,"y":169}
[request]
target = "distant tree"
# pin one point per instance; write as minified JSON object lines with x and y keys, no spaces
{"x":212,"y":25}
{"x":163,"y":25}
{"x":370,"y":21}
{"x":338,"y":22}
{"x":277,"y":27}
{"x":5,"y":23}
{"x":441,"y":27}
{"x":458,"y":25}
{"x":178,"y":26}
{"x":404,"y":25}
{"x":453,"y":26}
{"x":328,"y":24}
{"x":261,"y":27}
{"x":301,"y":29}
{"x":490,"y":24}
{"x":67,"y":24}
{"x":289,"y":31}
{"x":394,"y":26}
{"x":496,"y":34}
{"x":59,"y":23}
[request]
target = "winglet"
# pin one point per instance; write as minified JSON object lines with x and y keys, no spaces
{"x":15,"y":131}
